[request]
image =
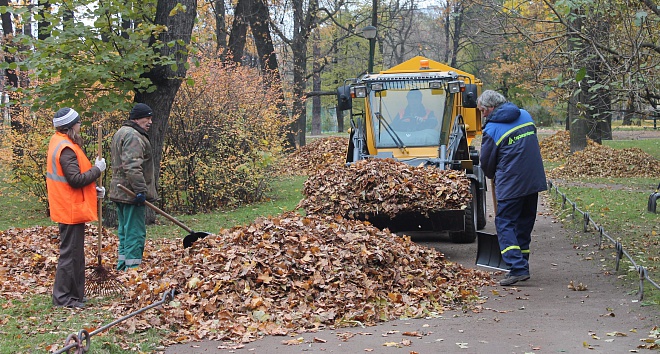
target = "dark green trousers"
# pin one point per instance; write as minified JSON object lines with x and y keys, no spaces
{"x":132,"y":232}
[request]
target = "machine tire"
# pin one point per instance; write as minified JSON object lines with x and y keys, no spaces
{"x":468,"y":235}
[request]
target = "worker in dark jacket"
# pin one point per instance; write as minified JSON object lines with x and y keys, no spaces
{"x":510,"y":154}
{"x":72,"y":201}
{"x":132,"y":167}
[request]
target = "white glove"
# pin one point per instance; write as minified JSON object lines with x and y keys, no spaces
{"x":100,"y":192}
{"x":100,"y":163}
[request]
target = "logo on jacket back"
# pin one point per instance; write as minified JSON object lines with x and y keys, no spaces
{"x":513,"y":140}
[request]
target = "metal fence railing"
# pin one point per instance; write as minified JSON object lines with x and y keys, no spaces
{"x":588,"y":222}
{"x":80,"y":343}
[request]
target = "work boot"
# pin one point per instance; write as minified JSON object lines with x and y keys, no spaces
{"x":512,"y":279}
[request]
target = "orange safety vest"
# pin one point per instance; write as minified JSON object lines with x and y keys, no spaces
{"x":68,"y":205}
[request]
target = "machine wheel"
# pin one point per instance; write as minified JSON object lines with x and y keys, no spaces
{"x":468,"y":235}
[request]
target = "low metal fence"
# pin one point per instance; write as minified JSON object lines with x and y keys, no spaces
{"x":80,"y":343}
{"x":588,"y":222}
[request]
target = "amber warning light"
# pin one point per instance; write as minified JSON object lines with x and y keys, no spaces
{"x":424,"y":64}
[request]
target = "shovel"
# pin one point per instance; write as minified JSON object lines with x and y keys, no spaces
{"x":192,"y":235}
{"x":488,"y":247}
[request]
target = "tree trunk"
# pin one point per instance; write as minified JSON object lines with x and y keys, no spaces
{"x":303,"y":23}
{"x":166,"y":80}
{"x":238,"y":32}
{"x":42,"y":25}
{"x":299,"y":108}
{"x":220,"y":30}
{"x":266,"y":51}
{"x":578,"y":126}
{"x":576,"y":120}
{"x":8,"y":30}
{"x":458,"y":24}
{"x":316,"y":85}
{"x":629,"y":111}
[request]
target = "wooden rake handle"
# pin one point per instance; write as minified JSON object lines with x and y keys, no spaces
{"x":99,"y":182}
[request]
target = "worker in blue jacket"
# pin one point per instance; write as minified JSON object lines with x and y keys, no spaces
{"x":510,"y":154}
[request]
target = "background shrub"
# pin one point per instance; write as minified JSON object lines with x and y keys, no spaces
{"x":223,"y":138}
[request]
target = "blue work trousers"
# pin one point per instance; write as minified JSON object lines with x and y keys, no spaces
{"x":514,"y":222}
{"x":132,"y":232}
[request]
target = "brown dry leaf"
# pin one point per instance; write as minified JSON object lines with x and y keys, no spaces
{"x":412,"y":334}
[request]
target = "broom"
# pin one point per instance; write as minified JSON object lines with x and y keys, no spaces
{"x":102,"y":281}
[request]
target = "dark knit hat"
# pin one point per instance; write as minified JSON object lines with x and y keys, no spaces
{"x":66,"y":118}
{"x":140,"y":110}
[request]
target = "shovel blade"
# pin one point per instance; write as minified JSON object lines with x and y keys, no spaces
{"x":488,"y":252}
{"x":192,"y":237}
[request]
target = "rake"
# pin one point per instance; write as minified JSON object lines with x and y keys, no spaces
{"x":102,"y":281}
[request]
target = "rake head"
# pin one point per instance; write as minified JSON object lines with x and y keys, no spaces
{"x":102,"y":282}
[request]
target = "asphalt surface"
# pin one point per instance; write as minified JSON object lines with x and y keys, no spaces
{"x":541,"y":315}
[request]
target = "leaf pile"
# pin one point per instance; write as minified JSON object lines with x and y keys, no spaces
{"x":603,"y":161}
{"x":557,"y":147}
{"x":384,"y":186}
{"x":316,"y":155}
{"x":275,"y":276}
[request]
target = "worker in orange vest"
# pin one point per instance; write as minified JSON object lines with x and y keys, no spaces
{"x":72,"y":200}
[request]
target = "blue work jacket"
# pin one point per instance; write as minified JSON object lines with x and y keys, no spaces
{"x":511,"y":154}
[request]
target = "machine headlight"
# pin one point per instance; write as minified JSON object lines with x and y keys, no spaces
{"x":435,"y":84}
{"x":377,"y":86}
{"x":454,"y":86}
{"x":360,"y":91}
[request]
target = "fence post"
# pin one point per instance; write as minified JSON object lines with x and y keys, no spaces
{"x":619,"y":253}
{"x":642,"y":275}
{"x":585,"y":218}
{"x":573,"y":212}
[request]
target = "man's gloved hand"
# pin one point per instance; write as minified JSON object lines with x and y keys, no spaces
{"x":100,"y":163}
{"x":100,"y":192}
{"x":139,"y":198}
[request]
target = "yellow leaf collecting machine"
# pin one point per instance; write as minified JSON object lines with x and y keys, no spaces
{"x":423,"y":113}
